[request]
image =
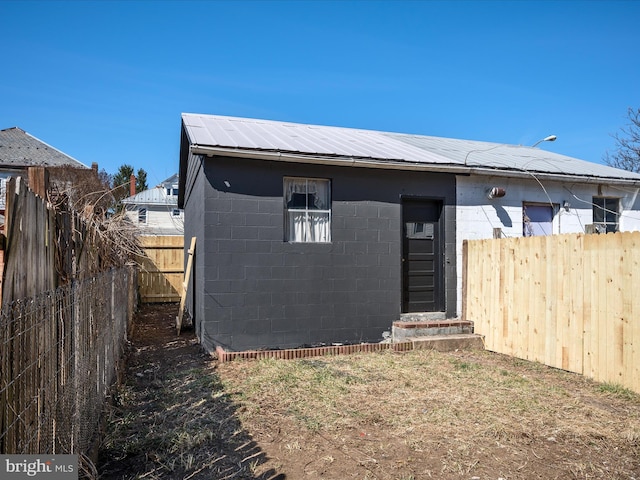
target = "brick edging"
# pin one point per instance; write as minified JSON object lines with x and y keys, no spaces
{"x":294,"y":353}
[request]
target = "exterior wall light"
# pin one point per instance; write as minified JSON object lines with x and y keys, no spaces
{"x":496,"y":192}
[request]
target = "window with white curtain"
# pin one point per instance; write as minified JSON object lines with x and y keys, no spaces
{"x":307,"y":204}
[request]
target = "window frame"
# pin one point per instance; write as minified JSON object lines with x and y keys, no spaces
{"x":289,"y":235}
{"x":555,"y":208}
{"x":142,"y":215}
{"x":605,"y":209}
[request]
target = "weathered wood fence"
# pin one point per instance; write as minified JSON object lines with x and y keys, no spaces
{"x":49,"y":246}
{"x":161,"y":269}
{"x":68,"y":300}
{"x":568,"y":301}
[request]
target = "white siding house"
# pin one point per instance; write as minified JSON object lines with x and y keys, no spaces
{"x":155,"y":211}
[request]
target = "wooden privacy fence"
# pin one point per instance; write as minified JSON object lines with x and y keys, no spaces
{"x":161,"y":268}
{"x":568,"y":301}
{"x":68,"y":296}
{"x":50,"y":245}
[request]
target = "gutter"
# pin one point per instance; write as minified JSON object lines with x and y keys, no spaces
{"x":277,"y":156}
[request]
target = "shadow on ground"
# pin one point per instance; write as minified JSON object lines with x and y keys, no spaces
{"x":171,"y":418}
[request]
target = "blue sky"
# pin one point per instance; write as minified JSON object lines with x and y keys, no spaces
{"x":107,"y":81}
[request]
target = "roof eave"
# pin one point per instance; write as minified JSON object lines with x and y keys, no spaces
{"x":557,"y":177}
{"x":394,"y":164}
{"x":337,"y":160}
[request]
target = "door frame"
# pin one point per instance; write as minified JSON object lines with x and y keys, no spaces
{"x":441,"y":301}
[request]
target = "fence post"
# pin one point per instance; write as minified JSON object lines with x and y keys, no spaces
{"x":75,"y":351}
{"x":465,"y":259}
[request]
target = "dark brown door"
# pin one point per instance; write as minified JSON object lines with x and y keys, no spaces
{"x":422,"y":269}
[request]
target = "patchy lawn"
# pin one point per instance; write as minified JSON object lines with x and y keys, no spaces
{"x":415,"y":415}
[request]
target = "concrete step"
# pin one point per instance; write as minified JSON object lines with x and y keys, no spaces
{"x":448,"y":343}
{"x":423,"y":316}
{"x":405,"y":329}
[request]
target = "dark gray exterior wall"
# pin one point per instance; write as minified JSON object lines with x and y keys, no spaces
{"x":254,"y":290}
{"x":194,"y":188}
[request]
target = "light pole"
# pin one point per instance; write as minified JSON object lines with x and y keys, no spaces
{"x":550,"y":138}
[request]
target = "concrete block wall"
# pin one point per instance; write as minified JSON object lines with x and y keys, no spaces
{"x":259,"y":291}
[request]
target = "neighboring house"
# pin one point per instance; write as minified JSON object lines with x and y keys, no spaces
{"x":20,"y":150}
{"x":155,"y":211}
{"x":310,"y":234}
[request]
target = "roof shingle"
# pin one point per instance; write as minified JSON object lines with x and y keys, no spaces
{"x":20,"y":149}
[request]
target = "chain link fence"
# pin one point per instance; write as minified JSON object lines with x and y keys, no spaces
{"x":60,"y":352}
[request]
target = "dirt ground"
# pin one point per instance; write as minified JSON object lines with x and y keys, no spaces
{"x":181,"y":415}
{"x":166,"y":421}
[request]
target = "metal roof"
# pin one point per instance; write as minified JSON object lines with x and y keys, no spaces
{"x":153,"y":196}
{"x":20,"y":149}
{"x":172,"y":180}
{"x":221,"y":134}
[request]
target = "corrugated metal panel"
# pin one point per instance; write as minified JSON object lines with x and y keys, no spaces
{"x":517,"y":157}
{"x":283,"y":137}
{"x":262,"y":135}
{"x":153,"y":196}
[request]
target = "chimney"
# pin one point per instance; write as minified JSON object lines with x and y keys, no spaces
{"x":132,"y":185}
{"x":94,"y":167}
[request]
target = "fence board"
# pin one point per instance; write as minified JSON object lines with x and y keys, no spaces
{"x":161,"y":269}
{"x":590,"y":290}
{"x":569,"y":301}
{"x":634,"y":351}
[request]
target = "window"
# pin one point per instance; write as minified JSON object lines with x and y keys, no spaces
{"x":307,"y":204}
{"x":420,"y":230}
{"x":537,"y":220}
{"x":175,"y":212}
{"x":605,"y":214}
{"x":142,"y":215}
{"x":3,"y":193}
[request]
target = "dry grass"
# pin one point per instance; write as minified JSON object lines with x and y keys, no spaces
{"x":458,"y":414}
{"x":409,"y":416}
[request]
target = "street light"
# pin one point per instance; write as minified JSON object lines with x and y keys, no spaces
{"x":550,"y":138}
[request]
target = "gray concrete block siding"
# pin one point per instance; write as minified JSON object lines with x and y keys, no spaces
{"x":252,"y":289}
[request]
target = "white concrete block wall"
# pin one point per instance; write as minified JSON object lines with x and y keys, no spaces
{"x":477,"y":215}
